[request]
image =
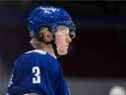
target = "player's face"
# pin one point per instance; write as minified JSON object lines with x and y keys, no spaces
{"x":62,"y":40}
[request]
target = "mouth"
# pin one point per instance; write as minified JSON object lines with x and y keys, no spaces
{"x":67,"y":46}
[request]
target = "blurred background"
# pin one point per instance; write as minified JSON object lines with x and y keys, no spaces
{"x":96,"y":61}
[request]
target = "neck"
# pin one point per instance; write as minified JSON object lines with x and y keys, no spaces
{"x":48,"y":48}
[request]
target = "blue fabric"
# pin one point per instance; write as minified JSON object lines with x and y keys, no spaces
{"x":51,"y":76}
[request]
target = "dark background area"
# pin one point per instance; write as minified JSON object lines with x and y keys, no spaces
{"x":99,"y":50}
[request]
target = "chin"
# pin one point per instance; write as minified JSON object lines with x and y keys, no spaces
{"x":63,"y":53}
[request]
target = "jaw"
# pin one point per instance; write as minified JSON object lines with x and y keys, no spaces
{"x":61,"y":52}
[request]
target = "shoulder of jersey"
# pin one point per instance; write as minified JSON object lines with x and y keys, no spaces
{"x":36,"y":51}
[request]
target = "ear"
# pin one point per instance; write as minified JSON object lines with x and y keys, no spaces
{"x":47,"y":36}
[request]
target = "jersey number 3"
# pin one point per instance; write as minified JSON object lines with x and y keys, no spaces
{"x":36,"y":75}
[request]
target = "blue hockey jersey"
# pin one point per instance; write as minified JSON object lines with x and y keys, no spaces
{"x":38,"y":72}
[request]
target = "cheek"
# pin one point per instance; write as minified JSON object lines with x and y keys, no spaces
{"x":60,"y":41}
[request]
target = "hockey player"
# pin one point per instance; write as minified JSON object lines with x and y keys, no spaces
{"x":38,"y":72}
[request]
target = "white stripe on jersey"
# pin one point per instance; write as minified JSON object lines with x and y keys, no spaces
{"x":38,"y":51}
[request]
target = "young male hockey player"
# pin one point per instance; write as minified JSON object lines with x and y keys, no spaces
{"x":38,"y":72}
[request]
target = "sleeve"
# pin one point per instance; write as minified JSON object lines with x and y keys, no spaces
{"x":13,"y":87}
{"x":62,"y":85}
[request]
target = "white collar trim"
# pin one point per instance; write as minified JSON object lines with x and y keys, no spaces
{"x":38,"y":51}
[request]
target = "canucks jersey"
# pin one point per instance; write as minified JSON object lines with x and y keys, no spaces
{"x":36,"y":71}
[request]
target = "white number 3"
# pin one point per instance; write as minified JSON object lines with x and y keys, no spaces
{"x":36,"y":78}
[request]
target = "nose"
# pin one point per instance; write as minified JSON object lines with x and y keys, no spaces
{"x":69,"y":39}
